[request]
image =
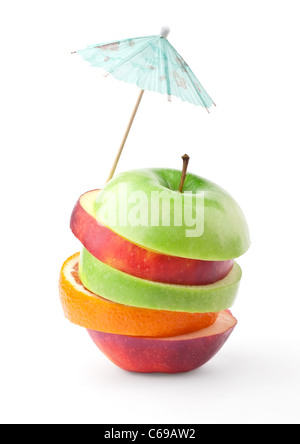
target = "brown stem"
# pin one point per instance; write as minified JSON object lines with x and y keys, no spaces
{"x":185,"y":159}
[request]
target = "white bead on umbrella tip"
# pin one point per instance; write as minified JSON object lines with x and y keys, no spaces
{"x":165,"y":31}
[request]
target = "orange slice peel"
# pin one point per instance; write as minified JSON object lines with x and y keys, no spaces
{"x":93,"y":312}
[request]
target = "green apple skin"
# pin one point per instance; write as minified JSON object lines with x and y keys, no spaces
{"x":225,"y":233}
{"x":118,"y":252}
{"x":123,"y":288}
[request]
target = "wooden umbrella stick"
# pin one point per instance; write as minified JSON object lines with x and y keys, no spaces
{"x":113,"y":169}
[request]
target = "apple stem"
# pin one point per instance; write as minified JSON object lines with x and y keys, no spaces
{"x":185,"y":159}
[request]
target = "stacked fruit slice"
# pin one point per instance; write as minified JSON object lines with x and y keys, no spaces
{"x":152,"y":298}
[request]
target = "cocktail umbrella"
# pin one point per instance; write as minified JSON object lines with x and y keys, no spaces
{"x":152,"y":64}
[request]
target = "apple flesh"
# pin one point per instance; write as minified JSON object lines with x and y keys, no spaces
{"x":166,"y":355}
{"x":119,"y":253}
{"x":117,"y":286}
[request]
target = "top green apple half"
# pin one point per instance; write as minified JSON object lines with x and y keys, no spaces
{"x":203,"y":222}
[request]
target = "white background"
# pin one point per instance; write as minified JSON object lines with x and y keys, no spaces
{"x":61,"y":124}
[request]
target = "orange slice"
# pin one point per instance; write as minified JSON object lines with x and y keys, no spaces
{"x":96,"y":313}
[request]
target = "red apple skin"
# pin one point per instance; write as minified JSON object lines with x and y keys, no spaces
{"x":147,"y":355}
{"x":132,"y":259}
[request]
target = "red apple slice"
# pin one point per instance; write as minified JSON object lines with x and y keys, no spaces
{"x":166,"y":355}
{"x":119,"y":253}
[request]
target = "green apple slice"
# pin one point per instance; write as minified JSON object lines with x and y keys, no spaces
{"x":123,"y":288}
{"x":220,"y":231}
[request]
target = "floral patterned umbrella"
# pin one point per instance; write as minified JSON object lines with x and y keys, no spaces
{"x":152,"y":64}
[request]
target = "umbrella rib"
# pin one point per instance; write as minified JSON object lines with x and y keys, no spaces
{"x":131,"y":56}
{"x":189,"y":76}
{"x":111,"y":42}
{"x":167,"y":71}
